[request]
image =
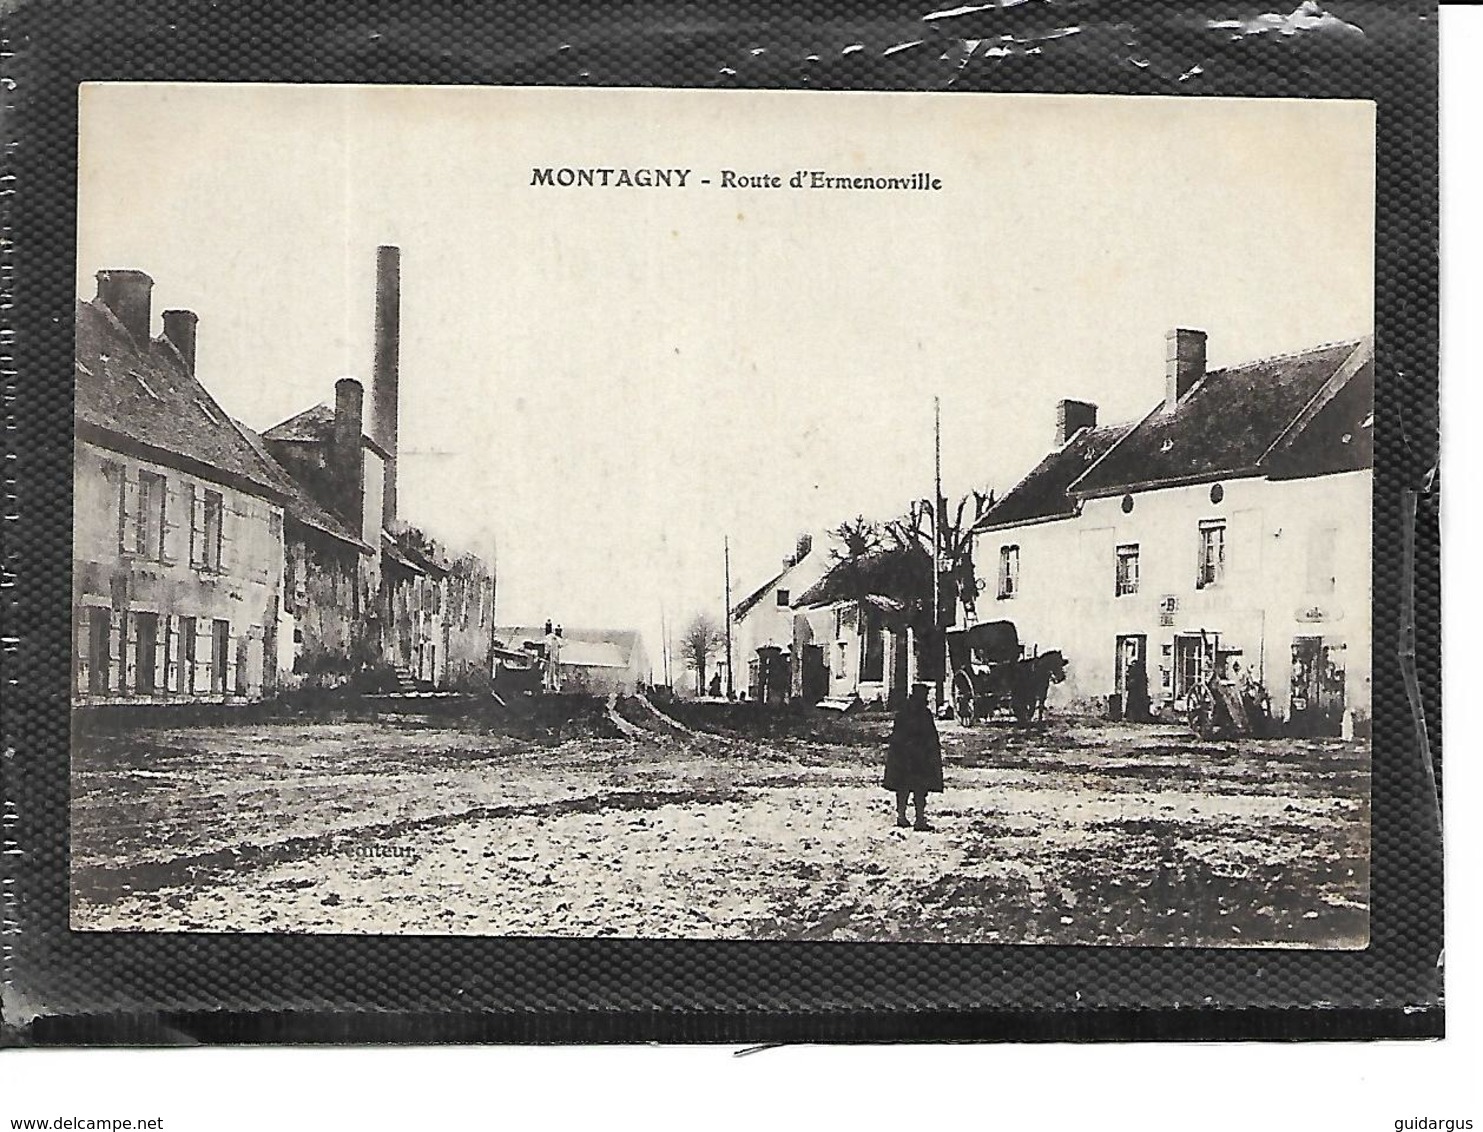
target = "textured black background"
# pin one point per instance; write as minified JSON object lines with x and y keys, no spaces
{"x":76,"y":988}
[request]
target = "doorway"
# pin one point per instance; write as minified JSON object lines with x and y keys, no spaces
{"x":1316,"y":703}
{"x":1192,"y":662}
{"x":1131,"y":675}
{"x":815,"y":674}
{"x":146,"y":639}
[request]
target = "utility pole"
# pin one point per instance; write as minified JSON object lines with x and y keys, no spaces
{"x":730,"y":687}
{"x":937,"y":665}
{"x":664,"y":643}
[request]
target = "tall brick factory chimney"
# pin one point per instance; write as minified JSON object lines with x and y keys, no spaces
{"x":126,"y":293}
{"x":386,"y":366}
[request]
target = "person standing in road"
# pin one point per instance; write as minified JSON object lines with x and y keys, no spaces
{"x":914,"y":758}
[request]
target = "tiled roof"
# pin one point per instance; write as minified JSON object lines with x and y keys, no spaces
{"x":142,"y":392}
{"x":299,"y":504}
{"x":624,"y":641}
{"x":397,"y":554}
{"x":316,"y":424}
{"x":901,"y":574}
{"x":1340,"y":438}
{"x":748,"y":603}
{"x":1043,"y":493}
{"x":1223,"y":426}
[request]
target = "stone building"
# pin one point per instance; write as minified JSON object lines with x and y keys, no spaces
{"x":1228,"y":531}
{"x":178,"y":517}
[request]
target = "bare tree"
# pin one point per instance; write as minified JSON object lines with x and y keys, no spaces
{"x":856,"y":538}
{"x":914,"y":530}
{"x":701,"y":638}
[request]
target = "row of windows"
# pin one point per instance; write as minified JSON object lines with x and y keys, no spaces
{"x":145,"y":529}
{"x":1210,"y":566}
{"x":147,"y":654}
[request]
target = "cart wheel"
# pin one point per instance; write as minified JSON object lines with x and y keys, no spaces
{"x":1201,"y":718}
{"x":963,"y":705}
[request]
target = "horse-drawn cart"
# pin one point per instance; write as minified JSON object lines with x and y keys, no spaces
{"x":990,"y":673}
{"x":1224,"y":701}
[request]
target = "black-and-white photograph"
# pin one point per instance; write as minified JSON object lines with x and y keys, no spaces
{"x":723,"y":515}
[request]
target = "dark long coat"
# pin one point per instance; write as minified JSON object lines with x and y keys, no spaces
{"x":914,"y":757}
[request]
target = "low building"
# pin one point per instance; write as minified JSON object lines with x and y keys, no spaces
{"x":178,"y":518}
{"x":776,"y":658}
{"x":592,"y":661}
{"x":438,"y":609}
{"x":1228,"y":532}
{"x":863,"y":615}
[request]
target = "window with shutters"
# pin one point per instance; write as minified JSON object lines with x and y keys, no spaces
{"x":1212,"y":563}
{"x":100,"y":632}
{"x":1009,"y":572}
{"x":1127,"y":569}
{"x":149,"y":520}
{"x":146,"y":654}
{"x":185,"y":657}
{"x":128,"y":513}
{"x":221,"y":640}
{"x":206,"y":525}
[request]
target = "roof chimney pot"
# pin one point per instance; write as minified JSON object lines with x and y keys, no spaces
{"x":1072,"y":417}
{"x":180,"y":331}
{"x":1184,"y":364}
{"x":346,"y":454}
{"x":126,"y":293}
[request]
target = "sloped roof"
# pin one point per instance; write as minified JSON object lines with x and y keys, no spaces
{"x":142,"y":392}
{"x":901,"y":574}
{"x":1042,"y":494}
{"x":624,"y":641}
{"x":1340,"y":438}
{"x":299,"y":504}
{"x":394,"y":551}
{"x":748,"y":603}
{"x":1222,"y":427}
{"x":316,"y":424}
{"x":591,"y":654}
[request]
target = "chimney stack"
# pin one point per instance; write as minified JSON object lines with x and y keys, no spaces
{"x":347,"y":470}
{"x":385,"y":374}
{"x":1184,"y":364}
{"x":126,"y":293}
{"x":1072,"y":417}
{"x":180,"y":329}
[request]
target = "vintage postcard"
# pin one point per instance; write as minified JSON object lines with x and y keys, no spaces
{"x":723,"y":515}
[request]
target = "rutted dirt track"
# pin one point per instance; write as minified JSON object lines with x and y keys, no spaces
{"x":1073,"y":832}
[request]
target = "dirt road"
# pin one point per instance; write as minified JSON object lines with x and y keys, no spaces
{"x":1075,"y":831}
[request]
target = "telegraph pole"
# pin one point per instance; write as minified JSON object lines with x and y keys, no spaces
{"x":937,"y":503}
{"x":664,"y":643}
{"x":730,"y":687}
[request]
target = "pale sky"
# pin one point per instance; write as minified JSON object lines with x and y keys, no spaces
{"x":597,"y":385}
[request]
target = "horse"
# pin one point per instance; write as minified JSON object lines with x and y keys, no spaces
{"x":1032,"y":679}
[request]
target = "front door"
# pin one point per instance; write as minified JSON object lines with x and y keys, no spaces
{"x":1316,"y":705}
{"x":146,"y":638}
{"x":1191,"y":665}
{"x":1131,"y":674}
{"x":815,"y":674}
